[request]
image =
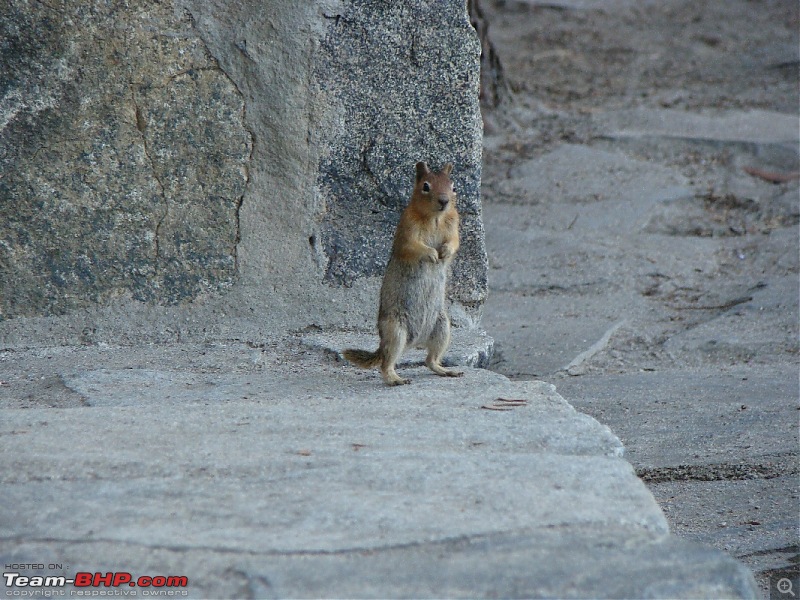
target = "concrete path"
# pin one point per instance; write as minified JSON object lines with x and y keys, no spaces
{"x":641,"y":206}
{"x":278,"y":471}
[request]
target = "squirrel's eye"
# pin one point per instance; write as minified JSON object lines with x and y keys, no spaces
{"x":426,"y":187}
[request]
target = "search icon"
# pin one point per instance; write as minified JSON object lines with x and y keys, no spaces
{"x":785,"y":586}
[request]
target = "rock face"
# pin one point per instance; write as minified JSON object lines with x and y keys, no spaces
{"x":124,"y":156}
{"x":406,"y":107}
{"x":226,"y":161}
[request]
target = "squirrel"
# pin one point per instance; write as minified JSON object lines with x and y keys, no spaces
{"x":412,"y":309}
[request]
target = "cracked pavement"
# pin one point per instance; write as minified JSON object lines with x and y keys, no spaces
{"x":641,"y":207}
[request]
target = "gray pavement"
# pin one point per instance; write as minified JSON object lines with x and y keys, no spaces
{"x":276,"y":470}
{"x":641,"y":204}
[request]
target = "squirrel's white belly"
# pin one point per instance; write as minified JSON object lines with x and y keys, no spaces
{"x":418,"y":300}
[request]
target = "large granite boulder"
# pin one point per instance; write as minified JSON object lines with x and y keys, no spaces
{"x":195,"y":168}
{"x":124,"y":158}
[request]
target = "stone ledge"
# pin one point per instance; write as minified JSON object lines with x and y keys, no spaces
{"x":468,"y":348}
{"x":312,"y":478}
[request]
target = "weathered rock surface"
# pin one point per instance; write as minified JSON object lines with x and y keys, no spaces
{"x":277,"y":471}
{"x":238,"y":165}
{"x":641,"y":210}
{"x":124,"y":156}
{"x":405,"y":107}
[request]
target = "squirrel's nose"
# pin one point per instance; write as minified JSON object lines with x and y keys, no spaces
{"x":443,"y":200}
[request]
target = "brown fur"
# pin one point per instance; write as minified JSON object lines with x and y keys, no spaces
{"x":412,"y":308}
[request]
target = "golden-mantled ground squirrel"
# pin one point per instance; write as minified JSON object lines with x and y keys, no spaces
{"x":412,"y":309}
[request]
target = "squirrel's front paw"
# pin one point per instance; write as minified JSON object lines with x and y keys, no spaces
{"x":432,"y":256}
{"x":446,"y":251}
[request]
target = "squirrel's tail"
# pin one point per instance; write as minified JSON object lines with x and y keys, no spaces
{"x":362,"y":358}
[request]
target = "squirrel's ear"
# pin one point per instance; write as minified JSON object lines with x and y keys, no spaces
{"x":448,"y":168}
{"x":422,"y":170}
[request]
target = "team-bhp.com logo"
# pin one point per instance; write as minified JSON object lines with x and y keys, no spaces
{"x":94,"y":584}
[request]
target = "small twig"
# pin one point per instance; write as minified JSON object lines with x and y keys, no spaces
{"x":504,"y":404}
{"x":509,"y":402}
{"x":575,"y":220}
{"x":771,"y":176}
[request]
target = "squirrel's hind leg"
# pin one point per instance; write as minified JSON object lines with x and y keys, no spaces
{"x":437,"y":345}
{"x":393,"y":342}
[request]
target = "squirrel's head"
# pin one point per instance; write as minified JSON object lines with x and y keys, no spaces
{"x":434,"y":192}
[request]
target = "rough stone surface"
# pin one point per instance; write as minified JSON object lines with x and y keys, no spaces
{"x":278,"y":471}
{"x":747,"y":127}
{"x":641,"y":211}
{"x":238,"y":165}
{"x":393,"y":105}
{"x":469,"y":347}
{"x":124,"y":155}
